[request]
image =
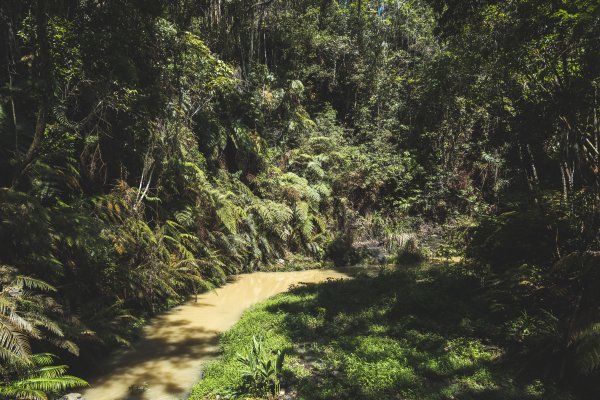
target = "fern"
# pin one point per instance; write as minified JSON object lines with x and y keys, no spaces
{"x":314,"y":167}
{"x":577,"y":278}
{"x":272,"y":213}
{"x":40,"y":379}
{"x":588,"y":349}
{"x":32,"y":283}
{"x":18,"y":326}
{"x":230,"y":215}
{"x":27,"y":376}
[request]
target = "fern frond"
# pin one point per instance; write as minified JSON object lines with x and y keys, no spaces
{"x":32,"y":283}
{"x":13,"y":341}
{"x":49,"y":384}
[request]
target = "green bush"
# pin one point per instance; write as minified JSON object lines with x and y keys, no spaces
{"x":409,"y":252}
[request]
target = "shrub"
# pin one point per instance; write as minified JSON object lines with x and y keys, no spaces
{"x":409,"y":251}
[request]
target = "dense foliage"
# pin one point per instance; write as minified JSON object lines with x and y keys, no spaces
{"x":149,"y":149}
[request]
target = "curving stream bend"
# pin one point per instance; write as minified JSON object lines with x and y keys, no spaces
{"x":168,"y":360}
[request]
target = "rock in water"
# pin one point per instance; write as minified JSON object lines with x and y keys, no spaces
{"x":72,"y":396}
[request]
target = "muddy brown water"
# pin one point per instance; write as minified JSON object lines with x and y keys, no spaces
{"x":167,"y":361}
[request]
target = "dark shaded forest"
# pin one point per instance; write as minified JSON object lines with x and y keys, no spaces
{"x":150,"y":149}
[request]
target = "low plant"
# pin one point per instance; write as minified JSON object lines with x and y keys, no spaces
{"x":409,"y":251}
{"x":262,"y":370}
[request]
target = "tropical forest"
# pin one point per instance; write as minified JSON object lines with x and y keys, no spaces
{"x":300,"y":199}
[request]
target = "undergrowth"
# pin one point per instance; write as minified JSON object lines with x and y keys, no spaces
{"x":421,"y":334}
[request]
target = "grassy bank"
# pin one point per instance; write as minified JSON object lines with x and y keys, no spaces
{"x":405,"y":335}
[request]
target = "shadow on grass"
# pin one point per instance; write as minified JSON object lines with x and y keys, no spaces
{"x":402,"y":335}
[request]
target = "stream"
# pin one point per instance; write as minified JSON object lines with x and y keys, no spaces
{"x":167,"y":361}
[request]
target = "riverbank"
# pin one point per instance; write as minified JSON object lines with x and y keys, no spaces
{"x":418,"y":334}
{"x":167,"y":361}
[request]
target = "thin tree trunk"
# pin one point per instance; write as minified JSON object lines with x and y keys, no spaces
{"x":525,"y":169}
{"x":563,"y":175}
{"x":13,"y":109}
{"x":534,"y":173}
{"x":596,"y":138}
{"x":45,"y":74}
{"x":567,"y":339}
{"x":10,"y":65}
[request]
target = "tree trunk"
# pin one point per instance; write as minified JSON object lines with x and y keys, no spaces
{"x":45,"y":75}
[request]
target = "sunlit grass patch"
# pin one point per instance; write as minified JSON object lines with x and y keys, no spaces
{"x":404,"y":335}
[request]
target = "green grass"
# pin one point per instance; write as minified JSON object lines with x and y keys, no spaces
{"x":404,"y":335}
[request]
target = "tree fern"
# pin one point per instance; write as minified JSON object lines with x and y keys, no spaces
{"x":315,"y":168}
{"x":18,"y":325}
{"x":587,"y":351}
{"x":39,"y":380}
{"x":272,"y":213}
{"x":292,"y":183}
{"x":576,"y":278}
{"x":230,"y":215}
{"x":27,"y":376}
{"x":301,"y":214}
